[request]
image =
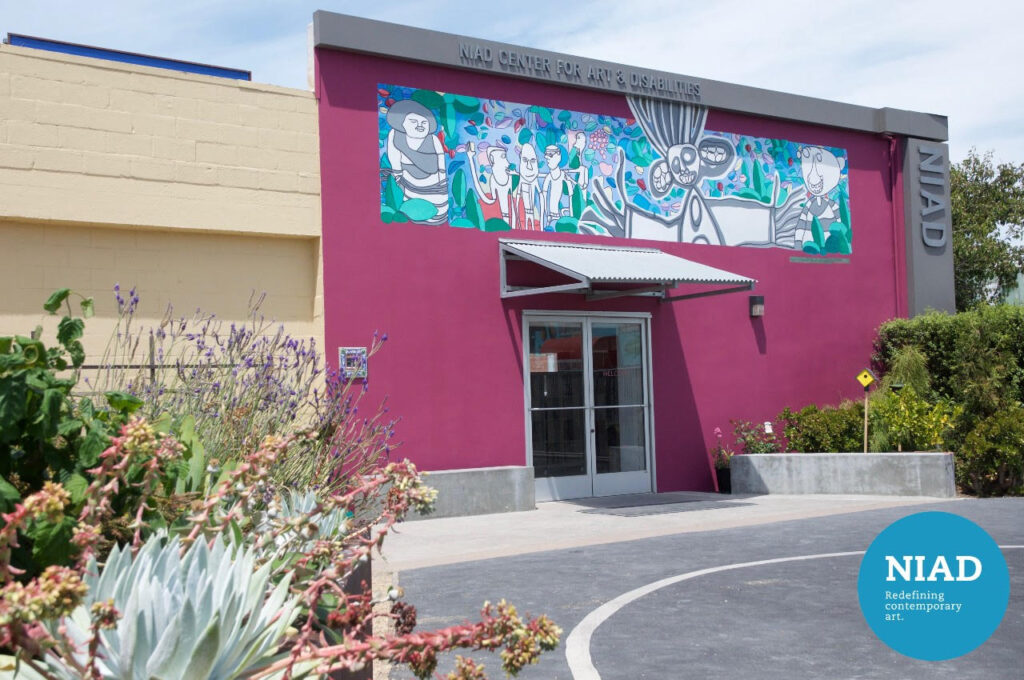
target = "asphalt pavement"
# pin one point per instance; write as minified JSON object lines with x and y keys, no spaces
{"x":793,"y":615}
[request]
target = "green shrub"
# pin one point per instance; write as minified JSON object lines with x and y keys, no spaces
{"x":955,"y":344}
{"x":904,"y":421}
{"x":991,"y":459}
{"x":908,"y":367}
{"x":832,"y":429}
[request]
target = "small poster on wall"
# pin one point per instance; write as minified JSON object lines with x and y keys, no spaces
{"x":544,"y":363}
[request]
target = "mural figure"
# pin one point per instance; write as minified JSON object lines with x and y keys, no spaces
{"x":659,"y":174}
{"x":527,"y":194}
{"x":676,"y":132}
{"x":821,"y":170}
{"x":554,"y":190}
{"x":416,"y":156}
{"x":497,"y":187}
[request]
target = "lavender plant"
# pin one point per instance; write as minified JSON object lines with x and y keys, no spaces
{"x":243,"y":381}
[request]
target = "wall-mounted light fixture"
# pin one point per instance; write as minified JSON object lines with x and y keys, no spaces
{"x":756,"y":306}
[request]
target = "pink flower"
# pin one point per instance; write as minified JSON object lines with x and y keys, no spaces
{"x":718,"y":432}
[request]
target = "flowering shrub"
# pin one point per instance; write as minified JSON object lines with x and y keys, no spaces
{"x":722,"y":457}
{"x":161,"y":542}
{"x":63,"y":624}
{"x":752,"y":438}
{"x":242,"y":382}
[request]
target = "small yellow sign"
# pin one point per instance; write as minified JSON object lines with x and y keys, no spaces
{"x":865,"y":378}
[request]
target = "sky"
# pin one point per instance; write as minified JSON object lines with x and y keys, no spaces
{"x":958,"y":59}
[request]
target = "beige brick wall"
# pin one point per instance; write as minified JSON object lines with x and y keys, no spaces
{"x":196,"y":190}
{"x":84,"y":140}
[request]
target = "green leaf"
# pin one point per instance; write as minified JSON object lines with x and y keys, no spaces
{"x":76,"y":485}
{"x":567,"y":225}
{"x":459,"y":188}
{"x":465,"y":104}
{"x":123,"y":402}
{"x":837,"y":243}
{"x":51,"y":543}
{"x":32,"y":350}
{"x":393,"y":195}
{"x":55,"y":300}
{"x":387,"y":214}
{"x":204,"y":654}
{"x":747,"y":192}
{"x":6,"y":343}
{"x":473,"y":212}
{"x":543,"y":113}
{"x":87,"y":308}
{"x":13,"y":402}
{"x":844,"y":210}
{"x":93,"y":444}
{"x":432,"y":100}
{"x":77,"y":353}
{"x":9,"y":496}
{"x":236,"y":533}
{"x":818,"y":233}
{"x":70,"y":427}
{"x":418,"y":209}
{"x":69,"y":330}
{"x":48,"y":415}
{"x":525,"y":135}
{"x":497,"y":224}
{"x":448,"y":120}
{"x":463,"y":223}
{"x":758,"y":180}
{"x":577,"y":202}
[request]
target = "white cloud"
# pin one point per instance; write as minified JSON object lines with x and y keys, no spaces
{"x":951,"y":58}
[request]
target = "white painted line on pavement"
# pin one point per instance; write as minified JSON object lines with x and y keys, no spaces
{"x":577,"y":645}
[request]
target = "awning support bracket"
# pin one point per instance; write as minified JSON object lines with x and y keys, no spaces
{"x":708,"y":293}
{"x":608,"y":294}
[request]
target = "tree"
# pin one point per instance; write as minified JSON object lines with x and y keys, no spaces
{"x":988,"y":212}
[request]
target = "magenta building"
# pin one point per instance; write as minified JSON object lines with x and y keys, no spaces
{"x":584,"y":268}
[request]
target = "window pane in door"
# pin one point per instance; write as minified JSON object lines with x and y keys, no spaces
{"x":559,"y":443}
{"x":619,"y":439}
{"x":618,"y":364}
{"x":556,"y":365}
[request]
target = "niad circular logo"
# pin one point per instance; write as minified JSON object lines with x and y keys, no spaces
{"x":933,"y":586}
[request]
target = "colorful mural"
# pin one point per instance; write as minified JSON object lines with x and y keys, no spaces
{"x":497,"y":166}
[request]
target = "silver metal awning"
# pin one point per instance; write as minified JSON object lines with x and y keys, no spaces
{"x":638,"y":271}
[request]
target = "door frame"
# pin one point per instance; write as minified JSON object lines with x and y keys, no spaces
{"x":588,"y":317}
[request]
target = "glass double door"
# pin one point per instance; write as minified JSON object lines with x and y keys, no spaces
{"x":589,"y":405}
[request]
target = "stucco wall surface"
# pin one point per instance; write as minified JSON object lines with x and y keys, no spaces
{"x":452,"y":366}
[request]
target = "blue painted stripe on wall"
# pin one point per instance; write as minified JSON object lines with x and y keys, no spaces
{"x":127,"y":57}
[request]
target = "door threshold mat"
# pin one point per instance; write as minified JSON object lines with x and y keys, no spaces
{"x":664,"y":508}
{"x":636,"y":500}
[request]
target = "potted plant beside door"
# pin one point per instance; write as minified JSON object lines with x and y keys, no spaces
{"x":722,"y":457}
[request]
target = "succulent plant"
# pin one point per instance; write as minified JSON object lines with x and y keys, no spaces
{"x":296,"y":524}
{"x":209,"y":614}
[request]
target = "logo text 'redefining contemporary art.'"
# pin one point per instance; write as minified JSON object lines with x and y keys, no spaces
{"x":496,"y":166}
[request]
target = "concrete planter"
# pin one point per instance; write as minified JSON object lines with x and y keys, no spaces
{"x":889,"y":474}
{"x":480,"y":491}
